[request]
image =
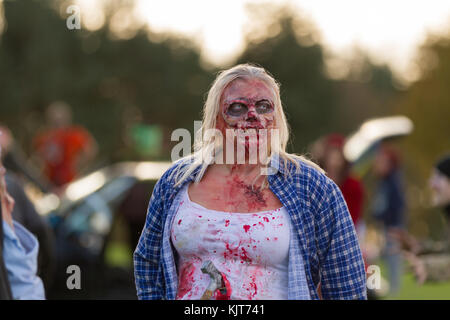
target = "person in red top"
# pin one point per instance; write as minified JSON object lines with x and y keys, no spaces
{"x":64,"y":147}
{"x":329,"y":154}
{"x":328,"y":151}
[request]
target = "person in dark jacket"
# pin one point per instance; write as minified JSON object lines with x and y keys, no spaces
{"x":388,"y":208}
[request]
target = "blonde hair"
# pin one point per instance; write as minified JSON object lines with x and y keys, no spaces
{"x":211,"y":109}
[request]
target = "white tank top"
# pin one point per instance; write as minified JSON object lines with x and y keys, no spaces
{"x":251,"y":251}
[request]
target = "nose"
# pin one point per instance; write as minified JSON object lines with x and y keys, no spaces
{"x":251,"y":114}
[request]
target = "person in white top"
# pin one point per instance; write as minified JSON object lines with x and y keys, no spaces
{"x":250,"y":250}
{"x":274,"y":226}
{"x":230,"y":216}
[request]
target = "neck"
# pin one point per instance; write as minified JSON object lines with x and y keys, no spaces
{"x":239,"y":169}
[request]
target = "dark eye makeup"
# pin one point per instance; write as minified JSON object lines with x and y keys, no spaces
{"x":237,"y":109}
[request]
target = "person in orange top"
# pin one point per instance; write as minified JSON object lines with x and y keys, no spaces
{"x":64,"y":147}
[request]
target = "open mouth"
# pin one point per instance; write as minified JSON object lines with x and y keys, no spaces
{"x":251,"y":135}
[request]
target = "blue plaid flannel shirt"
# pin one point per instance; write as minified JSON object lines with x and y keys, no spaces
{"x":323,"y":249}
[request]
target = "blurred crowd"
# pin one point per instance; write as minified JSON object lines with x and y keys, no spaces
{"x":387,"y":212}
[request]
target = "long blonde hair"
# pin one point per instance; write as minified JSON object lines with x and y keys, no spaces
{"x":211,"y":109}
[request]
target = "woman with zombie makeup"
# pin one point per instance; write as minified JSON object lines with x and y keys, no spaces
{"x":241,"y":218}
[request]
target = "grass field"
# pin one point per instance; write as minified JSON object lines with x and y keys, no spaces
{"x":410,"y":290}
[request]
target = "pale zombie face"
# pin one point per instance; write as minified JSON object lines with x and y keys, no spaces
{"x":247,"y":108}
{"x":440,"y":186}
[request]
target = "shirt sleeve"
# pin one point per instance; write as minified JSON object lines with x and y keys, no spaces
{"x":20,"y":255}
{"x":147,"y":254}
{"x":342,"y":266}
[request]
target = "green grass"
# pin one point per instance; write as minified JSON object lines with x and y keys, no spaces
{"x":410,"y":290}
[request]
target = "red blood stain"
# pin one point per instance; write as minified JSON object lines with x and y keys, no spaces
{"x":244,"y":256}
{"x":227,"y":223}
{"x":230,"y":252}
{"x":253,"y":288}
{"x":199,"y":216}
{"x":246,"y":227}
{"x":261,"y":224}
{"x":186,"y":280}
{"x":266,"y":219}
{"x":254,"y":197}
{"x":275,"y":239}
{"x":179,"y":221}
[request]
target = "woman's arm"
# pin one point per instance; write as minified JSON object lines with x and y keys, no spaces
{"x":341,"y":264}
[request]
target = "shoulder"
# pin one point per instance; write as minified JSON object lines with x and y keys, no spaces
{"x":169,"y":177}
{"x":307,"y":173}
{"x":316,"y":188}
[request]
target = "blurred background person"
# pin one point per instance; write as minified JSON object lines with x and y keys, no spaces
{"x":430,"y":260}
{"x":5,"y":287}
{"x":20,"y":250}
{"x":63,"y":148}
{"x":440,"y":186}
{"x":328,"y":152}
{"x":388,"y":208}
{"x":25,"y":213}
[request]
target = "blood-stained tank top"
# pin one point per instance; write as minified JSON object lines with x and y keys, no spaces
{"x":250,"y":250}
